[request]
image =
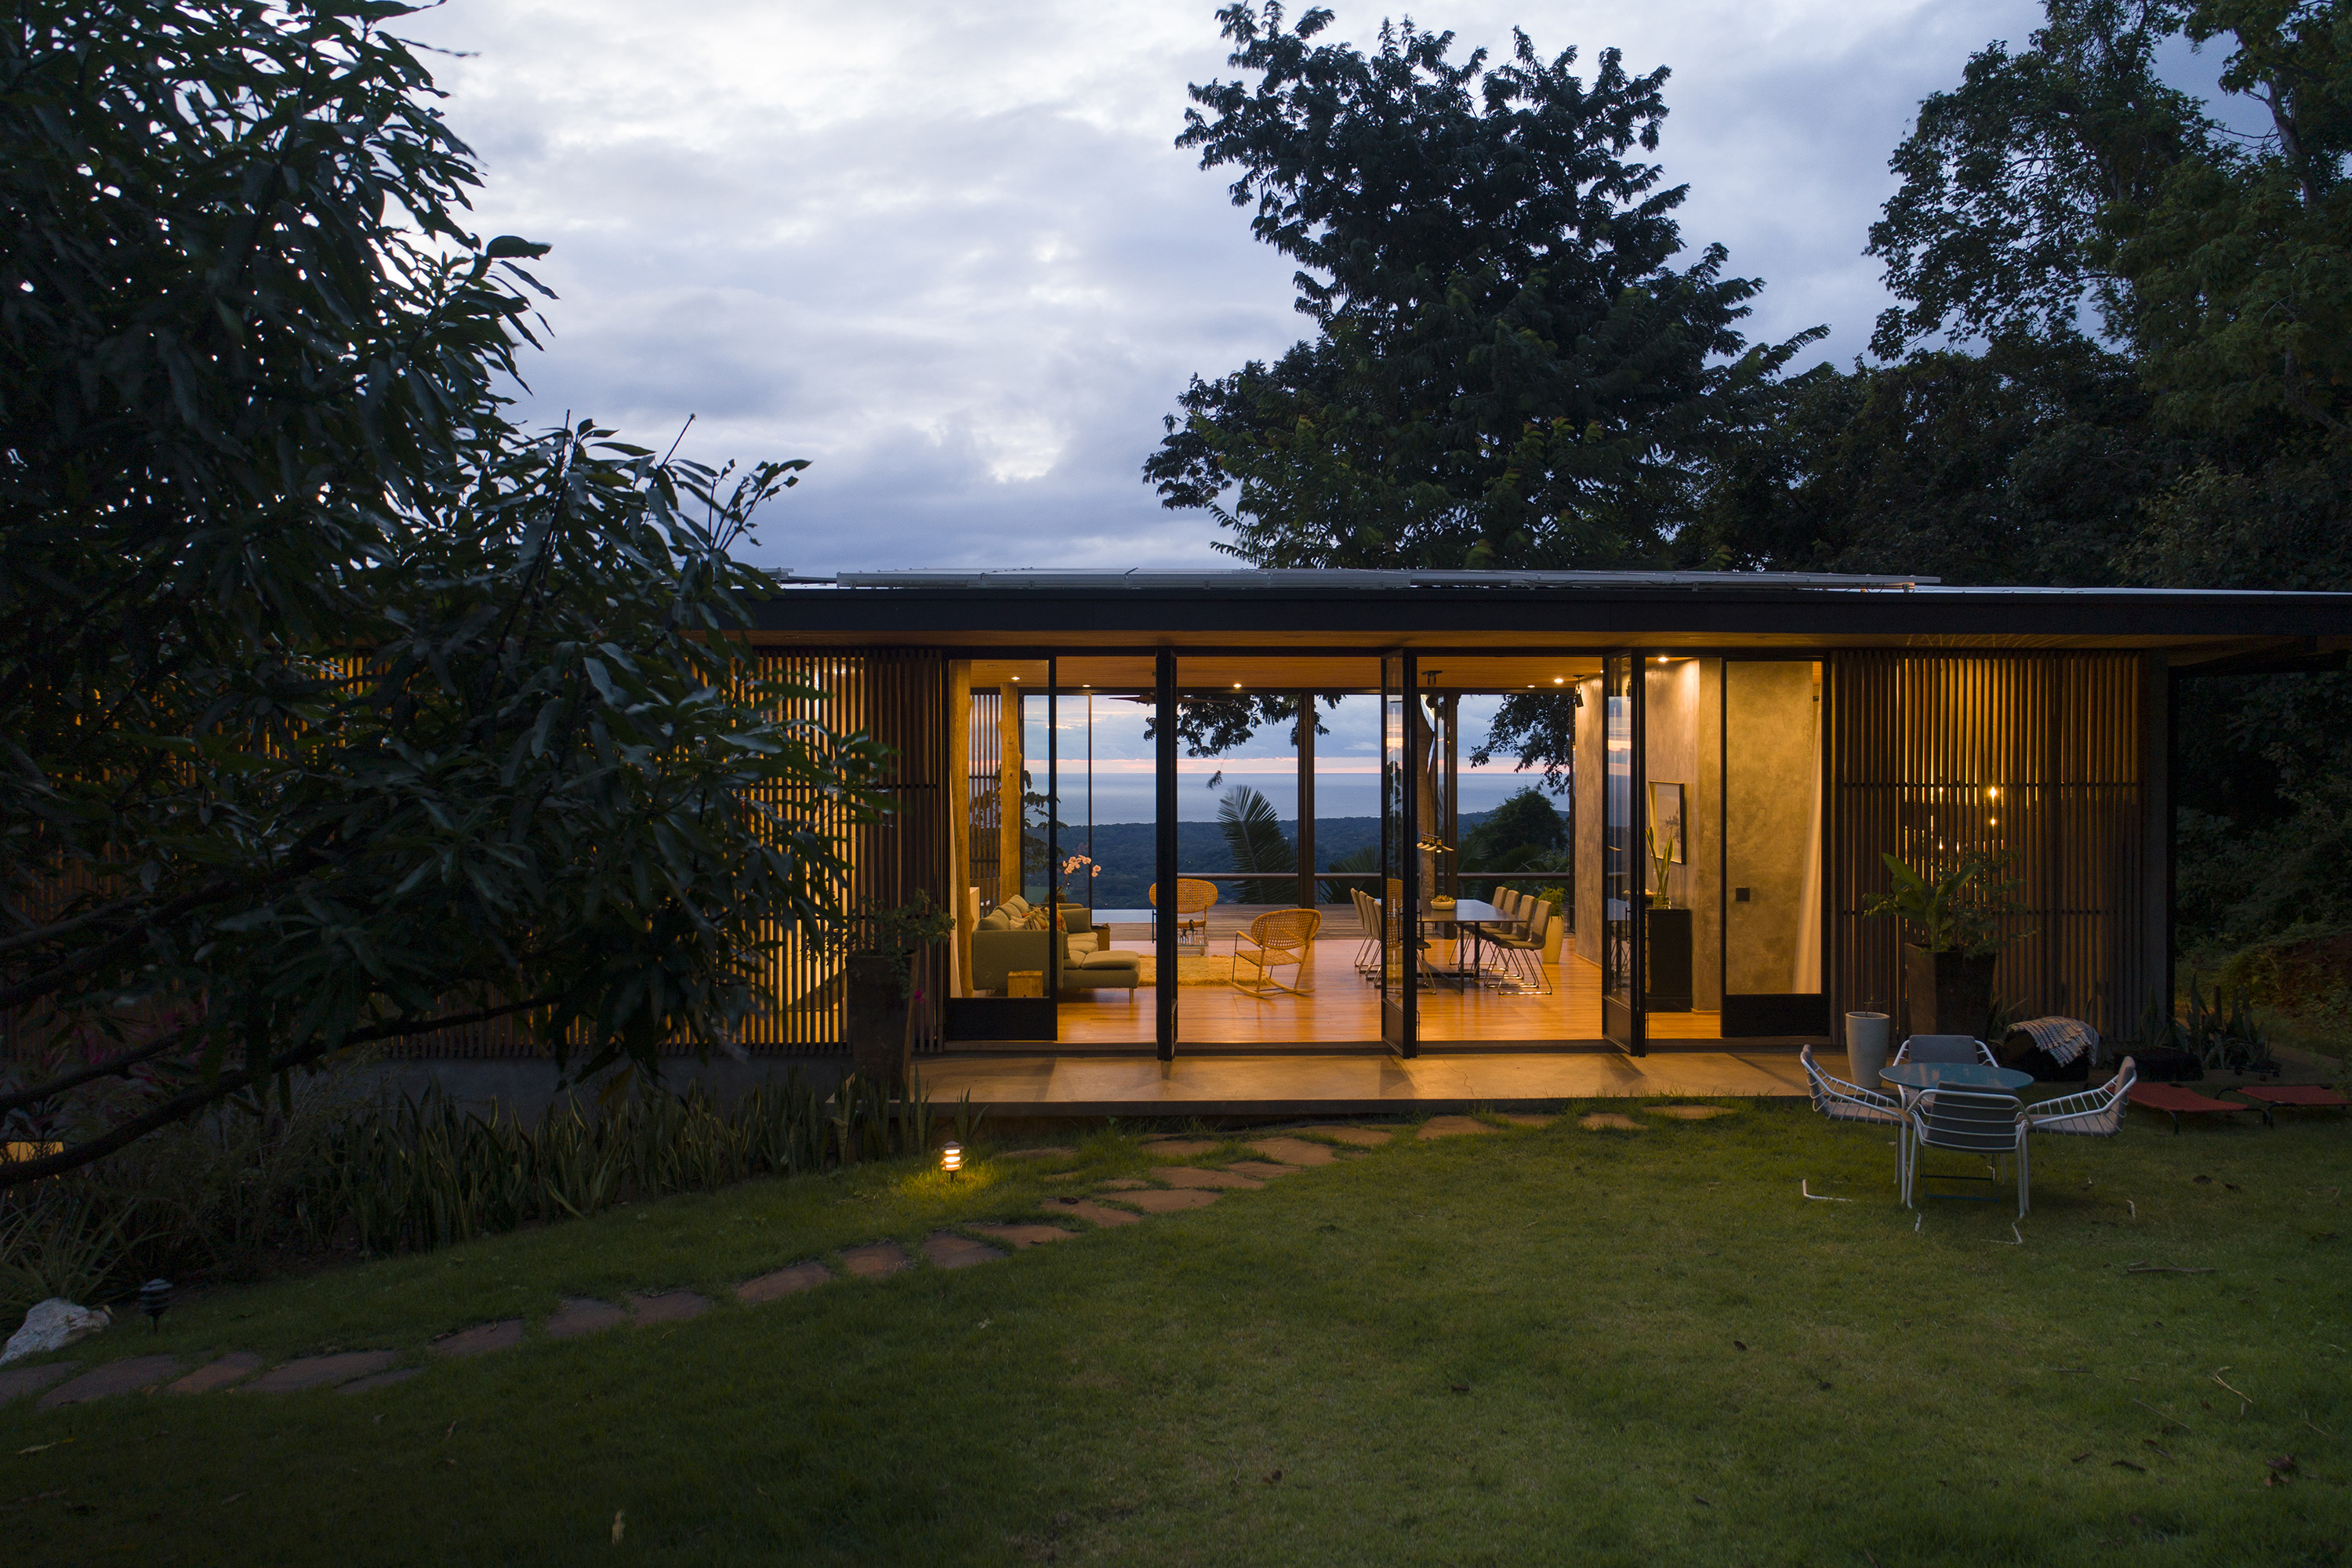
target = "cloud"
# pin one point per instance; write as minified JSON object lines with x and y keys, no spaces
{"x":949,"y":252}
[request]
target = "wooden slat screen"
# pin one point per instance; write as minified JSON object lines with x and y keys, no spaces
{"x":2033,"y":756}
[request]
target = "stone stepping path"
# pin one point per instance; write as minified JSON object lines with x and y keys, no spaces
{"x":1597,"y":1119}
{"x":1124,"y":1202}
{"x":1453,"y":1127}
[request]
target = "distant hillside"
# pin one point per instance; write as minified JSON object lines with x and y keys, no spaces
{"x":1126,"y":852}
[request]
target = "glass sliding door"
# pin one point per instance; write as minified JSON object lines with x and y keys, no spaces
{"x":1006,"y":969}
{"x":1625,"y":898}
{"x":1400,"y":854}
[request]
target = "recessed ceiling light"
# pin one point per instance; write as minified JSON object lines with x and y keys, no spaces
{"x":1237,"y":686}
{"x":1559,"y":679}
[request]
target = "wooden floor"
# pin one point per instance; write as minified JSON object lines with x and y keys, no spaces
{"x":1340,"y":1008}
{"x":1287,"y":1085}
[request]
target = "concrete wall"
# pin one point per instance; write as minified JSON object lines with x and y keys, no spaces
{"x":1683,"y":725}
{"x":1772,"y":789}
{"x":1590,"y":772}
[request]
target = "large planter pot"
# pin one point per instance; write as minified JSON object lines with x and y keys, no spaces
{"x":1947,"y":993}
{"x":1865,"y":1046}
{"x":879,"y":1022}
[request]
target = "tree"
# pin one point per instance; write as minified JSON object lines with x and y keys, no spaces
{"x":1254,"y":841}
{"x":337,"y":710}
{"x":1506,"y":371}
{"x":1523,"y":829}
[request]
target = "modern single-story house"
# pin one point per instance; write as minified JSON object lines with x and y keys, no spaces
{"x":1745,"y":748}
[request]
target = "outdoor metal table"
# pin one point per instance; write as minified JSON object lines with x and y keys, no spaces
{"x":1918,"y":1075}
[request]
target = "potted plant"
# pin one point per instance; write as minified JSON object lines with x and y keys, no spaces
{"x":880,"y":972}
{"x":1958,"y":921}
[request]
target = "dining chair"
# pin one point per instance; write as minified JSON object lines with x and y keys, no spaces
{"x":1968,"y":1121}
{"x":1945,"y":1048}
{"x":1285,"y":938}
{"x":1368,"y":920}
{"x":2094,"y":1114}
{"x":1842,"y":1101}
{"x":1523,"y":955}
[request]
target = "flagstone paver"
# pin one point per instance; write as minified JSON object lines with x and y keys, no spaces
{"x":669,"y":1307}
{"x":946,"y":1249}
{"x":1293,"y":1151}
{"x":18,"y":1382}
{"x":1018,"y":1236}
{"x":1178,"y":1148}
{"x":1262,"y":1170}
{"x":1454,"y":1126}
{"x":127,"y":1376}
{"x":219,"y":1374}
{"x":481,"y":1339}
{"x":1689,"y":1112}
{"x":1367,"y":1137}
{"x":1157,"y":1200}
{"x":319,"y":1371}
{"x":1597,"y":1119}
{"x":583,"y":1315}
{"x":1120,"y":1184}
{"x":784,"y":1282}
{"x":381,"y":1379}
{"x":1088,"y":1210}
{"x":874,"y":1259}
{"x":1194,"y":1176}
{"x":1051,"y":1153}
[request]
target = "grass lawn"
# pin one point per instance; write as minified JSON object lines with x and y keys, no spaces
{"x":1553,"y":1345}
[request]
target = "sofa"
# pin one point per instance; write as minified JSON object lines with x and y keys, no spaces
{"x":1002,"y":943}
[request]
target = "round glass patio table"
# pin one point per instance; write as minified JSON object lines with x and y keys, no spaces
{"x":1916,"y":1076}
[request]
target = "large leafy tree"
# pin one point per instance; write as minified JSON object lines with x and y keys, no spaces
{"x":1507,"y":370}
{"x":333,"y":709}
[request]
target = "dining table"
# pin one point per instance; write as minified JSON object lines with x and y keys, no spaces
{"x":1918,"y":1077}
{"x":1475,"y":914}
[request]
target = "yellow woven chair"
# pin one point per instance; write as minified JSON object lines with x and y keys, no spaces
{"x":1193,"y":898}
{"x":1285,"y":937}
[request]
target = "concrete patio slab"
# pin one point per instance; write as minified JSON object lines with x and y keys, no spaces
{"x":115,"y":1377}
{"x":231,"y":1368}
{"x":786,"y":1281}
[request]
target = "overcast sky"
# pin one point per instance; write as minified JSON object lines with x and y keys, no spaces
{"x":949,"y":252}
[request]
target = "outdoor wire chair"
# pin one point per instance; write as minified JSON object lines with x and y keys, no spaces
{"x":1968,"y":1121}
{"x":2095,"y":1113}
{"x":1193,"y":898}
{"x":1285,"y":937}
{"x":1842,"y":1101}
{"x":1945,"y":1048}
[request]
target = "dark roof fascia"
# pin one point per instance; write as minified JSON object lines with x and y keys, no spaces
{"x":1649,"y":612}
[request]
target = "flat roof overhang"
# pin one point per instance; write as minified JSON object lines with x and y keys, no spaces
{"x":1362,"y":613}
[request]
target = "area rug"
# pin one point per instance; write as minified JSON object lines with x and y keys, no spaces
{"x":1192,"y":969}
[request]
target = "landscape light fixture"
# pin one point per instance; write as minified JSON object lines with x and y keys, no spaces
{"x":951,"y":1160}
{"x":153,"y":1298}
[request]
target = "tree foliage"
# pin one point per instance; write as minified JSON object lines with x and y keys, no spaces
{"x":335,"y":708}
{"x":1506,"y":370}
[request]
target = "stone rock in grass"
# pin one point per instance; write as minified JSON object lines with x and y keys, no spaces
{"x":1593,"y":1121}
{"x":1157,"y":1202}
{"x":1021,"y":1235}
{"x":874,"y":1259}
{"x":581,"y":1315}
{"x":1054,"y":1152}
{"x":669,"y":1307}
{"x":1194,"y":1176}
{"x":1093,"y":1212}
{"x":1690,"y":1112}
{"x":1265,"y":1171}
{"x":1362,"y":1137}
{"x":115,"y":1377}
{"x":784,"y":1282}
{"x":1453,"y":1126}
{"x":218,"y":1373}
{"x":1293,"y":1151}
{"x":481,"y":1339}
{"x":381,"y":1379}
{"x":319,"y":1371}
{"x":28,"y":1380}
{"x":946,"y":1249}
{"x":52,"y":1325}
{"x":1178,"y":1148}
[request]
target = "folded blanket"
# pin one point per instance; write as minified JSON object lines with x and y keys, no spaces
{"x":2062,"y":1039}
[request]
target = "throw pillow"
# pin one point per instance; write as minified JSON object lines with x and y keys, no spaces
{"x":996,"y":920}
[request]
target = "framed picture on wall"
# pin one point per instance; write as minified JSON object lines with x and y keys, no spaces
{"x":1666,"y":823}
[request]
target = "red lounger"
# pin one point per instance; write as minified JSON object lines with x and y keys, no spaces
{"x":2304,"y":1096}
{"x":2176,"y":1102}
